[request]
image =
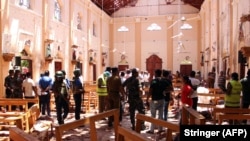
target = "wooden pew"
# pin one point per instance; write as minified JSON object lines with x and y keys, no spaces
{"x":215,"y":91}
{"x":17,"y":134}
{"x":191,"y":117}
{"x":9,"y":102}
{"x":32,"y":116}
{"x":213,"y":97}
{"x":170,"y":126}
{"x":91,"y":121}
{"x":126,"y":134}
{"x":17,"y":119}
{"x":232,"y":117}
{"x":90,"y":98}
{"x":23,"y":120}
{"x":230,"y":112}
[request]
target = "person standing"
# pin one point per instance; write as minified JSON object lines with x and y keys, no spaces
{"x":114,"y":88}
{"x":245,"y":82}
{"x":45,"y":84}
{"x":222,"y":81}
{"x":102,"y":91}
{"x":66,"y":79}
{"x":234,"y":87}
{"x":122,"y":76}
{"x":78,"y":92}
{"x":134,"y":91}
{"x":146,"y":76}
{"x":186,"y":92}
{"x":17,"y":88}
{"x":60,"y":91}
{"x":18,"y":81}
{"x":232,"y":97}
{"x":8,"y":83}
{"x":195,"y":84}
{"x":167,"y":92}
{"x":211,"y":78}
{"x":29,"y":88}
{"x":157,"y":99}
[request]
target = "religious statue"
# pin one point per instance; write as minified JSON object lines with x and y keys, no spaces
{"x":202,"y":59}
{"x":79,"y":21}
{"x":123,"y":59}
{"x":74,"y":54}
{"x":48,"y":51}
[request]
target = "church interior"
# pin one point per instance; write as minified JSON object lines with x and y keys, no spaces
{"x":91,"y":35}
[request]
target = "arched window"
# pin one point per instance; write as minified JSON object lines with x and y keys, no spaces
{"x":25,"y":3}
{"x":57,"y":11}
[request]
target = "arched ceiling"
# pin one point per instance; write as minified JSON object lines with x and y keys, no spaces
{"x":111,"y":6}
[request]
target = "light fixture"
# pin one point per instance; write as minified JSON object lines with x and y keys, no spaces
{"x":178,"y":35}
{"x":114,"y":50}
{"x":180,"y":45}
{"x":153,"y":26}
{"x":123,"y":29}
{"x":186,"y":26}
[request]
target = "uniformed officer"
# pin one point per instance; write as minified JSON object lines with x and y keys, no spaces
{"x":134,"y":90}
{"x":60,"y":91}
{"x":78,"y":91}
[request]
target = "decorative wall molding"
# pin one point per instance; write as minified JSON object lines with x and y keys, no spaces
{"x":8,"y":56}
{"x":245,"y":18}
{"x":246,"y":51}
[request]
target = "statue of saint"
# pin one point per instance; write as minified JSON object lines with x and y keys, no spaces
{"x":123,"y":59}
{"x":48,"y":51}
{"x":79,"y":21}
{"x":74,"y":55}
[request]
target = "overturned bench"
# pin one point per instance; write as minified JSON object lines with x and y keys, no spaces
{"x":89,"y":120}
{"x":17,"y":134}
{"x":171,"y":127}
{"x":9,"y":102}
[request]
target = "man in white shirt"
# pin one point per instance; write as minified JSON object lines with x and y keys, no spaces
{"x":29,"y":88}
{"x":146,"y":77}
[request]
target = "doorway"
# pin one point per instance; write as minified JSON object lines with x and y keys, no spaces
{"x":94,"y":72}
{"x":58,"y":66}
{"x":153,"y":62}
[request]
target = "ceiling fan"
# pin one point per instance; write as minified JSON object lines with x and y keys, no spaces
{"x":178,"y":35}
{"x":183,"y":19}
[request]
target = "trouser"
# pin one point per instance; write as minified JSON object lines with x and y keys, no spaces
{"x":17,"y":93}
{"x":8,"y":93}
{"x":165,"y":110}
{"x":102,"y":106}
{"x":156,"y":105}
{"x":44,"y":104}
{"x":78,"y":105}
{"x":113,"y":103}
{"x":135,"y":104}
{"x":195,"y":103}
{"x":61,"y":104}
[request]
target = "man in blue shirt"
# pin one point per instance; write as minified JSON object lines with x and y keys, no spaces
{"x":78,"y":91}
{"x":45,"y":84}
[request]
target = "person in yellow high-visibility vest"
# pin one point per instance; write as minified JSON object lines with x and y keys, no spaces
{"x":102,"y":91}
